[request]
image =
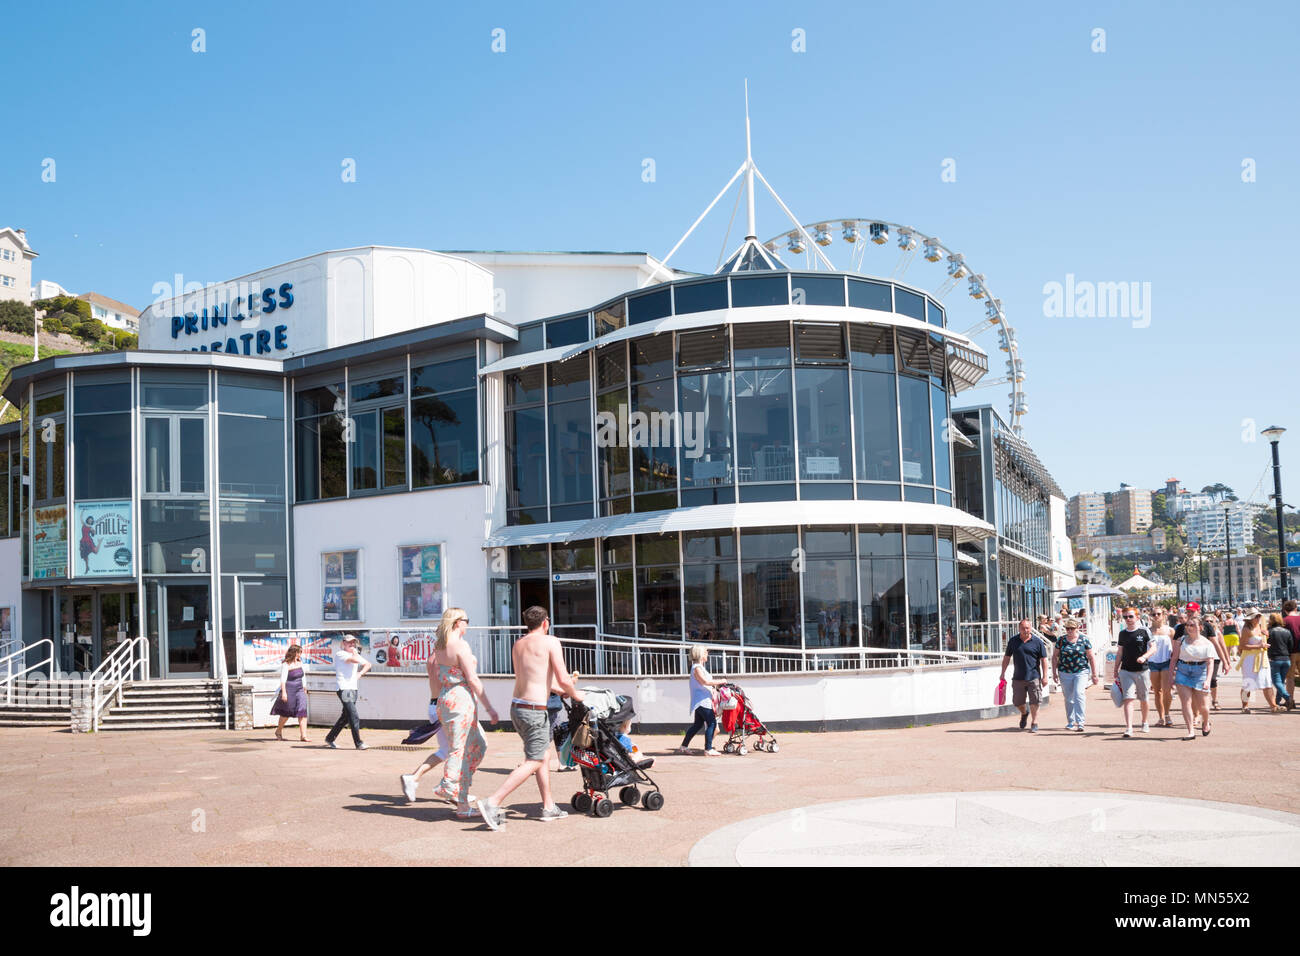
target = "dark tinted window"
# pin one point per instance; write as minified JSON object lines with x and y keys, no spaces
{"x":443,"y":377}
{"x":765,"y":290}
{"x":761,"y":344}
{"x":870,"y":295}
{"x":319,"y":400}
{"x":381,"y":388}
{"x":909,"y":304}
{"x":567,"y":331}
{"x":701,"y":296}
{"x":702,"y":350}
{"x":819,"y":343}
{"x":816,"y":290}
{"x":872,"y":347}
{"x":649,"y":306}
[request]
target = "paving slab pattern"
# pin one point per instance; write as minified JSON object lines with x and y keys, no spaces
{"x":212,"y":798}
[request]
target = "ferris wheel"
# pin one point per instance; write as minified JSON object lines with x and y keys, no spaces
{"x":859,"y":234}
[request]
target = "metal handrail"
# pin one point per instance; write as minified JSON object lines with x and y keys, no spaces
{"x":223,"y":668}
{"x":615,"y":656}
{"x":118,"y":668}
{"x":8,"y":680}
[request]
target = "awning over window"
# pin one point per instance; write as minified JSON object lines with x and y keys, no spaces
{"x":968,"y":528}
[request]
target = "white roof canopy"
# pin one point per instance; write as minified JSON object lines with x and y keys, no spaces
{"x":748,"y":515}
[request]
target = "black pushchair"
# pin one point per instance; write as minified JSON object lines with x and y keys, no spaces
{"x":605,"y":763}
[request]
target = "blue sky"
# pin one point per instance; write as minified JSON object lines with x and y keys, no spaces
{"x":1122,"y":166}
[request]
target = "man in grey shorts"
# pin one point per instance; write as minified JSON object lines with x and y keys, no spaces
{"x":539,"y":670}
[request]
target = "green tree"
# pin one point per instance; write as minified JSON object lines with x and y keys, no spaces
{"x":17,"y":317}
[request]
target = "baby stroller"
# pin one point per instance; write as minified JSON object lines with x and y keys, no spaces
{"x":740,"y":721}
{"x":604,"y":762}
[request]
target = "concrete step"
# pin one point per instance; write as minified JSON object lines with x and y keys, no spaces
{"x":134,"y":707}
{"x":43,"y":722}
{"x":163,"y":698}
{"x":120,"y":715}
{"x":152,"y":684}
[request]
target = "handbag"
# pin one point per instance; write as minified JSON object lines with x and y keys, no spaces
{"x":1000,"y":693}
{"x":1117,"y":694}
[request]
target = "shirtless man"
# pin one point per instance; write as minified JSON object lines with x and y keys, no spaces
{"x":539,"y":670}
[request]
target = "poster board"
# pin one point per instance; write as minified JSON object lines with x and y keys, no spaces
{"x":50,"y":542}
{"x":422,"y":579}
{"x":340,"y":586}
{"x":104,"y":536}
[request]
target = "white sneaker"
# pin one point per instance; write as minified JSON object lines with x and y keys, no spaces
{"x":553,"y":813}
{"x":491,"y":815}
{"x":712,"y":753}
{"x":408,"y":786}
{"x":1146,"y":729}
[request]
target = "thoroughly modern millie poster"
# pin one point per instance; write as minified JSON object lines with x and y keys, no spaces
{"x":103,"y":533}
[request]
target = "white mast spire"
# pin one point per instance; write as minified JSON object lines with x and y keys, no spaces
{"x":752,"y":233}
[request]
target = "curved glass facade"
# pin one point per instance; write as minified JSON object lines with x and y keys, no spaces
{"x":764,"y":411}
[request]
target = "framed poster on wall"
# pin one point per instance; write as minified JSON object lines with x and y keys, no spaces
{"x":422,"y":570}
{"x":50,"y":542}
{"x":103,"y":539}
{"x":340,"y":585}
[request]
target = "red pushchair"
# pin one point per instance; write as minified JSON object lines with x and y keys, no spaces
{"x":739,"y":721}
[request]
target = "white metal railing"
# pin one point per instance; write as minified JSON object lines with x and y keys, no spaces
{"x":7,"y":681}
{"x":107,"y":679}
{"x":602,"y":655}
{"x":222,"y":675}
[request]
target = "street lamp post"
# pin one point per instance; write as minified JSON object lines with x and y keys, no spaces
{"x":1227,"y":547}
{"x":1273,"y":433}
{"x":1200,"y":573}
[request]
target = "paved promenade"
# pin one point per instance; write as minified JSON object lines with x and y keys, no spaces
{"x":221,"y":798}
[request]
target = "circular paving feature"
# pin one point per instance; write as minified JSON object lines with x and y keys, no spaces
{"x":1000,"y":828}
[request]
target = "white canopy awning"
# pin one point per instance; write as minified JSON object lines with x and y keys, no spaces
{"x":968,"y":528}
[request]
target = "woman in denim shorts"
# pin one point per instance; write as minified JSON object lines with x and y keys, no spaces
{"x":1162,"y":680}
{"x":1191,"y":661}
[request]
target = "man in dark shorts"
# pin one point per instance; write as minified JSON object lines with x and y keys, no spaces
{"x":1030,"y":655}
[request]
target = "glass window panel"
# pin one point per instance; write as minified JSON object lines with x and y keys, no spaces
{"x":652,"y":358}
{"x":379,"y":388}
{"x":570,"y":453}
{"x":764,"y":426}
{"x":618,"y":614}
{"x":917,"y":493}
{"x":321,"y":458}
{"x":649,"y":306}
{"x":444,"y":439}
{"x":822,"y":400}
{"x":919,"y":541}
{"x":157,"y":456}
{"x":174,"y":396}
{"x":870,"y":295}
{"x":4,"y":488}
{"x":253,"y":536}
{"x":700,"y":297}
{"x":914,"y":418}
{"x":365,"y":451}
{"x":872,"y":347}
{"x":884,"y":603}
{"x":613,"y":454}
{"x":569,"y":380}
{"x":611,"y":366}
{"x":708,"y":546}
{"x":909,"y":303}
{"x":394,"y":448}
{"x":705,"y":403}
{"x":657,"y":549}
{"x":526,"y":457}
{"x":444,"y":377}
{"x":105,"y":397}
{"x":778,"y":544}
{"x":942,"y":448}
{"x":248,"y":395}
{"x":170,"y":530}
{"x":251,"y":462}
{"x":193,"y":456}
{"x":819,"y":344}
{"x":933,"y":313}
{"x":817,"y":290}
{"x":50,"y":463}
{"x":528,"y":557}
{"x":870,"y":492}
{"x":574,"y":556}
{"x":612,"y":317}
{"x":617,"y":550}
{"x":914,"y":349}
{"x":567,"y":331}
{"x":659,"y":603}
{"x":830,"y":603}
{"x":704,"y":349}
{"x":654,"y":445}
{"x":49,"y":404}
{"x":923,"y":604}
{"x":712,"y":610}
{"x":524,"y":387}
{"x":761,"y":344}
{"x":828,"y":541}
{"x":886,"y":542}
{"x":319,"y":400}
{"x":770,"y":598}
{"x":875,"y":415}
{"x":761,"y":290}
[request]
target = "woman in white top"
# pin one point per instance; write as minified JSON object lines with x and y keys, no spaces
{"x":1162,"y":677}
{"x":1190,"y":662}
{"x":702,"y":684}
{"x":1254,"y":663}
